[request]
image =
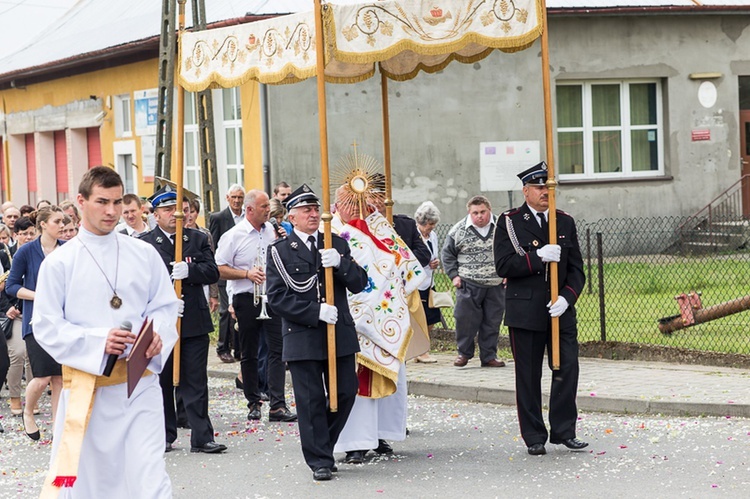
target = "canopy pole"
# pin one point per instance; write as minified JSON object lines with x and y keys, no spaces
{"x":5,"y":155}
{"x":326,"y":217}
{"x":177,"y":174}
{"x":551,"y":183}
{"x":386,"y":147}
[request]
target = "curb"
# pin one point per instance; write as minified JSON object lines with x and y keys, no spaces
{"x":592,"y":404}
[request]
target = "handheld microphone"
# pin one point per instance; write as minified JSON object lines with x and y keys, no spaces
{"x":126,"y":326}
{"x":275,"y":224}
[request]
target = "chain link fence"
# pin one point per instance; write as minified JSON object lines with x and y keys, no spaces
{"x":635,"y":268}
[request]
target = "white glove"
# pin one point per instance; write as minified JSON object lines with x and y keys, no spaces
{"x":549,"y":253}
{"x":559,"y":308}
{"x":330,"y":258}
{"x":180,"y":307}
{"x":179,"y":270}
{"x":329,"y":313}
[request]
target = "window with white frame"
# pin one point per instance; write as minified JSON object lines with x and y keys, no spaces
{"x":232,"y":118}
{"x":192,"y":146}
{"x":609,"y":129}
{"x":123,"y":124}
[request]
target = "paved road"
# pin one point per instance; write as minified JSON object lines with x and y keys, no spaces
{"x":455,"y":447}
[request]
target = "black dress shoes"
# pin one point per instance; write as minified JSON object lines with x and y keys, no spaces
{"x":383,"y":447}
{"x":226,"y":357}
{"x":254,"y":414}
{"x":283,"y":415}
{"x":355,"y":457}
{"x":322,"y":474}
{"x":537,"y":449}
{"x":571,"y":443}
{"x":168,"y":447}
{"x":209,"y":448}
{"x":493,"y":363}
{"x":238,"y":383}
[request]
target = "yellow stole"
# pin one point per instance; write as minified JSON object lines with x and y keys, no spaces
{"x":64,"y":469}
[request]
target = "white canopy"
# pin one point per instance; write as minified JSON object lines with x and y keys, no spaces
{"x":404,"y":37}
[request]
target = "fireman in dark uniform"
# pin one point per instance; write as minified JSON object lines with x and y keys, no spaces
{"x":522,"y":255}
{"x":296,"y":291}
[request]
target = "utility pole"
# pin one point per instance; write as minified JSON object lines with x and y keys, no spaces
{"x":203,"y":108}
{"x":167,"y":56}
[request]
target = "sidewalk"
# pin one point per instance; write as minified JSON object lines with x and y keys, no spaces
{"x":604,"y":385}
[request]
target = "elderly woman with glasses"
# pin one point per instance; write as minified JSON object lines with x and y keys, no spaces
{"x":427,"y":217}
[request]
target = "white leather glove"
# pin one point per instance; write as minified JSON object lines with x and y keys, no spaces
{"x":179,"y":270}
{"x":559,"y":308}
{"x":549,"y":253}
{"x":330,"y":258}
{"x":329,"y":313}
{"x":180,"y":308}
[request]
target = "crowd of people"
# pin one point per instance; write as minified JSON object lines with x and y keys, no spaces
{"x":263,"y":265}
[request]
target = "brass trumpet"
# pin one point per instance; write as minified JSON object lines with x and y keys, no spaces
{"x":259,"y":290}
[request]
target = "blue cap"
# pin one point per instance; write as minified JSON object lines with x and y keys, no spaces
{"x":537,"y":174}
{"x":165,"y":196}
{"x":302,"y":196}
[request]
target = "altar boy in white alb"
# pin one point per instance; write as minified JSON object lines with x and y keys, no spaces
{"x":85,"y":291}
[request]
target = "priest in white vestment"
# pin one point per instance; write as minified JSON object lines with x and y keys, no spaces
{"x":375,"y":419}
{"x":85,"y":291}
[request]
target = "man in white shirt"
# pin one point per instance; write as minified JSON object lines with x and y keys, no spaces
{"x":132,"y":214}
{"x":241,"y":257}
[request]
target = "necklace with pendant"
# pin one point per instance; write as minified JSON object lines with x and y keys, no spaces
{"x":115,"y":302}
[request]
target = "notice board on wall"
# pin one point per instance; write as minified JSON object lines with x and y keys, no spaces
{"x":500,"y":162}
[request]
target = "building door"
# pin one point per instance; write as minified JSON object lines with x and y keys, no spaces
{"x":744,"y":88}
{"x":745,"y":160}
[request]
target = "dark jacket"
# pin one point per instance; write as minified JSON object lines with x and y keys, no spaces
{"x":202,"y":269}
{"x":23,"y":274}
{"x":528,"y":292}
{"x":406,"y":227}
{"x":219,"y":223}
{"x":6,"y":301}
{"x":305,"y":336}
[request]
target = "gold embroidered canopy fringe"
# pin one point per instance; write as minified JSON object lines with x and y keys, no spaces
{"x":403,"y":37}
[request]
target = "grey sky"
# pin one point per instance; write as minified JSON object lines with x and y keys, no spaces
{"x":23,"y":20}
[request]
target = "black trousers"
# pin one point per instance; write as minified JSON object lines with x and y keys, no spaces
{"x":319,"y":428}
{"x":528,"y":352}
{"x":226,"y":323}
{"x":4,"y":358}
{"x":250,"y":335}
{"x":193,"y":390}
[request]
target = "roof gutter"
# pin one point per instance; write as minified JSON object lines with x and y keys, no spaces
{"x":636,"y":11}
{"x":111,"y":56}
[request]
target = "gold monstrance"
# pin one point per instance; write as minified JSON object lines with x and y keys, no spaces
{"x":364,"y":182}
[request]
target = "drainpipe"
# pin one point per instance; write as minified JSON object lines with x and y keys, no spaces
{"x":265,"y":138}
{"x":5,"y":154}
